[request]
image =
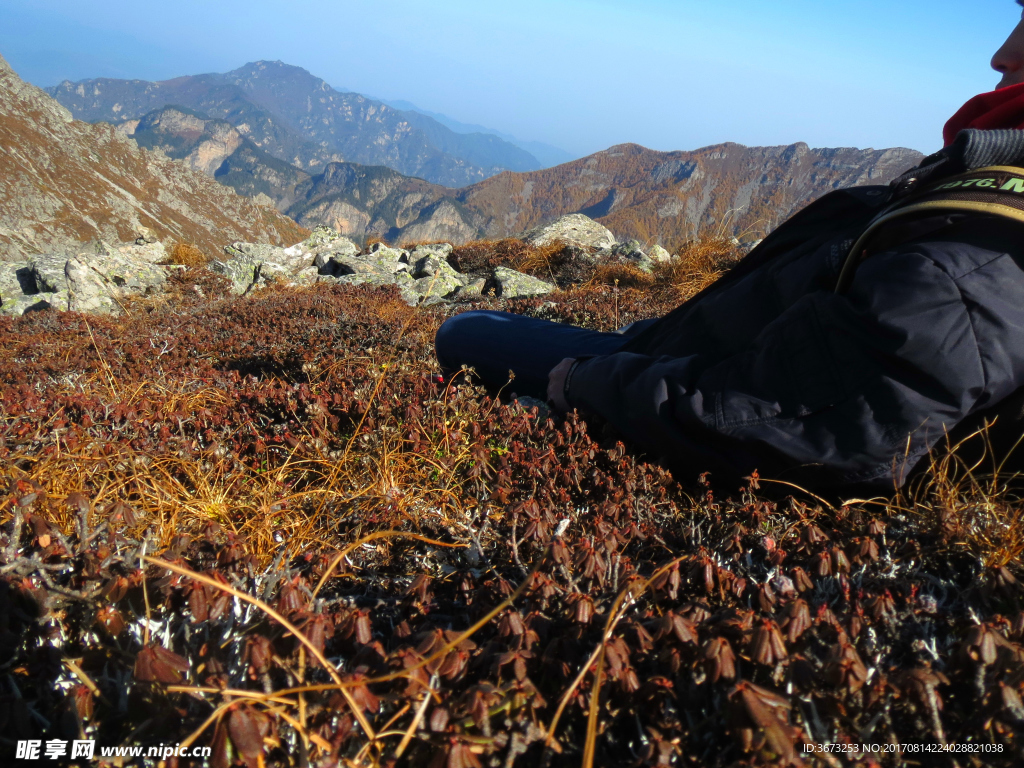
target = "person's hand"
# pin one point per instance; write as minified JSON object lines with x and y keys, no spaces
{"x":556,"y":384}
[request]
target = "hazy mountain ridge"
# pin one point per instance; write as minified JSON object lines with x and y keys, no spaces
{"x":667,"y":196}
{"x":300,"y":119}
{"x":275,"y":130}
{"x":656,"y":197}
{"x":547,"y":154}
{"x":66,"y":181}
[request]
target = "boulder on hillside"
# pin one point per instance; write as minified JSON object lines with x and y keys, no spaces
{"x":632,"y":251}
{"x":248,"y":265}
{"x":574,"y":229}
{"x":514,"y":285}
{"x":428,"y":265}
{"x":95,"y":280}
{"x":18,"y":290}
{"x":659,"y":255}
{"x":366,"y":278}
{"x":295,"y":257}
{"x":361,"y":265}
{"x":384,"y":251}
{"x":145,"y":236}
{"x":432,"y":289}
{"x":322,"y":244}
{"x":339,"y":248}
{"x":473,"y":289}
{"x":440,"y":250}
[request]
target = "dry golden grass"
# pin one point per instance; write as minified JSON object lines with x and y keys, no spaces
{"x":700,"y":262}
{"x":621,"y":275}
{"x":538,"y":260}
{"x":188,"y":255}
{"x":973,"y":506}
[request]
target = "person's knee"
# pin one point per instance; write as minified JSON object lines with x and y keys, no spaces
{"x":451,"y":337}
{"x":443,"y":343}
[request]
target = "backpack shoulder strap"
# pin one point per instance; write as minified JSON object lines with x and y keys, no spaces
{"x":994,"y":191}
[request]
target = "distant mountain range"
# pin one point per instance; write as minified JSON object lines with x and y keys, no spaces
{"x":545,"y":153}
{"x":637,"y":192}
{"x":300,"y":119}
{"x":655,"y":197}
{"x":64,"y":182}
{"x":277,"y":134}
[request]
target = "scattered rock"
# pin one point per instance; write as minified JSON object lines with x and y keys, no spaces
{"x":306,"y":276}
{"x":512,"y":284}
{"x":97,"y":279}
{"x":94,"y":280}
{"x":322,"y":244}
{"x":362,"y":265}
{"x":151,"y":253}
{"x":383,"y":251}
{"x":632,"y":251}
{"x":473,"y":289}
{"x":432,"y":289}
{"x":250,"y":264}
{"x":145,"y":236}
{"x":256,"y":252}
{"x":48,"y":272}
{"x":574,"y":229}
{"x":659,"y":255}
{"x":87,"y":291}
{"x":322,"y":238}
{"x":366,"y":278}
{"x":18,"y":290}
{"x":337,"y":248}
{"x":431,"y":264}
{"x":241,"y":270}
{"x":440,"y":250}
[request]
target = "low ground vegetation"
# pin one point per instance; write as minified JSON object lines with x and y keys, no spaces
{"x":258,"y":524}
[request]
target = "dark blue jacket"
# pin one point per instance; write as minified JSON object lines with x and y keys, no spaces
{"x":771,"y":369}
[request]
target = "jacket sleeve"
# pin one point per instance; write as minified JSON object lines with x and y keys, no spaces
{"x":848,"y":388}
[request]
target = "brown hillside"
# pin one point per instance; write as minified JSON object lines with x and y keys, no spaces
{"x":67,"y":181}
{"x":667,"y":196}
{"x":638,"y":193}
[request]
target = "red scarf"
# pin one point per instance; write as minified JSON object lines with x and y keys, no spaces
{"x":1003,"y":108}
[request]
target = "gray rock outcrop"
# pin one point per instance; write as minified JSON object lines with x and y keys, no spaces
{"x":516,"y":285}
{"x":96,"y":279}
{"x":574,"y":229}
{"x":432,"y":289}
{"x":632,"y":251}
{"x":659,"y":255}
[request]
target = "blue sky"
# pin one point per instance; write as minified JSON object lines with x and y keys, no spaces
{"x":579,"y":74}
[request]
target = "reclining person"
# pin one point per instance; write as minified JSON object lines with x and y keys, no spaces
{"x":840,"y":351}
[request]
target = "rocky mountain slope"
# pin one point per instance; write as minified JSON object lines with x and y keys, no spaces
{"x":216,"y":148}
{"x":65,"y":181}
{"x":359,"y":200}
{"x":299,"y":118}
{"x":655,"y":197}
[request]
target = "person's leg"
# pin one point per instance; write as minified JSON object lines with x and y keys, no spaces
{"x":637,"y":327}
{"x":494,"y":343}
